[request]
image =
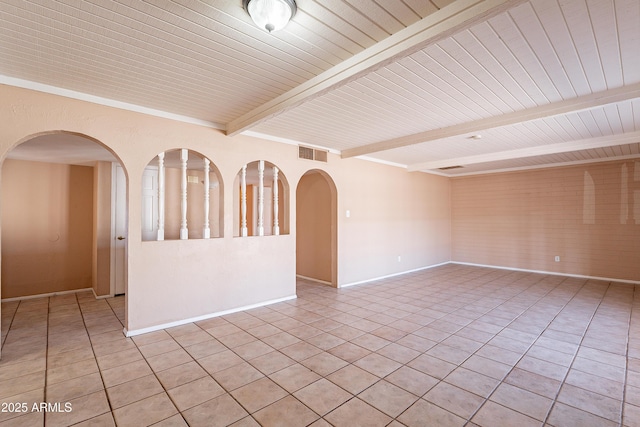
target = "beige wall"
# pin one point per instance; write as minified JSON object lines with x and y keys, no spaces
{"x":313,"y":231}
{"x":525,"y":219}
{"x":47,"y":224}
{"x":393,"y":212}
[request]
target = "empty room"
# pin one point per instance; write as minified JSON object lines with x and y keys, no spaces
{"x":320,"y":213}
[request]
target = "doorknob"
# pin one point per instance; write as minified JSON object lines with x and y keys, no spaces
{"x":120,"y":238}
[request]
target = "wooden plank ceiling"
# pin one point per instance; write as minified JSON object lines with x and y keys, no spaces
{"x":409,"y":82}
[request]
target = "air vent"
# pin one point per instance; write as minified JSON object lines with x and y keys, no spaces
{"x":309,"y":153}
{"x":450,"y":167}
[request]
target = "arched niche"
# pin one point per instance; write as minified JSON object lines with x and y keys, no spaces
{"x":182,"y":197}
{"x":252,"y":180}
{"x":316,"y":228}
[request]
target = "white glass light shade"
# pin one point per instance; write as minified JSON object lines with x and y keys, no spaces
{"x":271,"y":15}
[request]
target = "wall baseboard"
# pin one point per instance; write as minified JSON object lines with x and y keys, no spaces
{"x":49,"y":294}
{"x":134,"y":332}
{"x":552,"y":273}
{"x":362,"y":282}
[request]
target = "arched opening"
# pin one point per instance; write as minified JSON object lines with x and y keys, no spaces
{"x":260,"y":200}
{"x":182,"y":197}
{"x":316,"y":228}
{"x":59,"y":218}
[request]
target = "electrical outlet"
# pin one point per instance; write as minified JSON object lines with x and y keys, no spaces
{"x":557,"y":258}
{"x":399,"y":258}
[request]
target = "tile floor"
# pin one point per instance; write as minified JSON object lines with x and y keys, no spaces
{"x":450,"y":346}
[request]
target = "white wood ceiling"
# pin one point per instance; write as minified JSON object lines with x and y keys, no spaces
{"x":408,"y":82}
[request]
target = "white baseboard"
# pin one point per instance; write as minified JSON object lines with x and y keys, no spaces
{"x":393,"y":275}
{"x":49,"y":294}
{"x":324,"y":282}
{"x":553,"y":273}
{"x":134,"y":332}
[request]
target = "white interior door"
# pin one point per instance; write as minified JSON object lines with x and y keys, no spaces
{"x":119,"y":272}
{"x":150,"y":204}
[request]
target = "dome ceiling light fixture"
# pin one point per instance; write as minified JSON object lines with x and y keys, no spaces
{"x":271,"y":15}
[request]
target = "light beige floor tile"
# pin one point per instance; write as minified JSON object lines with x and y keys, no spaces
{"x":487,"y":367}
{"x":121,"y":358}
{"x":589,"y":401}
{"x":454,"y":399}
{"x":474,"y":382}
{"x":413,"y":381}
{"x":272,"y":362}
{"x":23,"y":368}
{"x":104,"y":420}
{"x":324,"y":363}
{"x":182,"y":330}
{"x":495,"y":315}
{"x":220,"y":361}
{"x":432,"y":366}
{"x":180,"y":374}
{"x":237,"y":376}
{"x":388,"y":398}
{"x":494,"y":415}
{"x":69,"y":358}
{"x":219,"y":411}
{"x":205,"y":348}
{"x":133,"y":391}
{"x":81,"y":409}
{"x":631,"y":415}
{"x":23,"y":384}
{"x":158,"y":347}
{"x":322,"y":396}
{"x":236,"y":339}
{"x":280,"y":340}
{"x":151,"y":337}
{"x":399,"y":353}
{"x":145,"y":412}
{"x":377,"y":365}
{"x":20,"y":404}
{"x":31,"y":419}
{"x":122,"y":374}
{"x":300,"y":351}
{"x":116,"y":346}
{"x":535,"y":383}
{"x":600,"y":385}
{"x":294,"y":377}
{"x":285,"y":412}
{"x":192,"y":338}
{"x":567,"y":416}
{"x":258,"y":394}
{"x":173,"y":421}
{"x":70,"y":389}
{"x":196,"y":392}
{"x":252,"y":350}
{"x":356,"y":413}
{"x":168,"y":360}
{"x":525,"y":402}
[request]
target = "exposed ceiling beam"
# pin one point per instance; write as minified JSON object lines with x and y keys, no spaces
{"x":561,"y":147}
{"x":580,"y":103}
{"x":451,"y":19}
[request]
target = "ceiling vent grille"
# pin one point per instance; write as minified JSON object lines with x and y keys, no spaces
{"x":309,"y":153}
{"x":450,"y":167}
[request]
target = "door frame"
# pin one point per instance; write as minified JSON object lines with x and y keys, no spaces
{"x":113,"y":249}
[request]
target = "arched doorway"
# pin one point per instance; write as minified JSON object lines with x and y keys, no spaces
{"x":316,"y":228}
{"x":57,"y":217}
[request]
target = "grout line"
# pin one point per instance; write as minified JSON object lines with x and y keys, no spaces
{"x":626,"y":367}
